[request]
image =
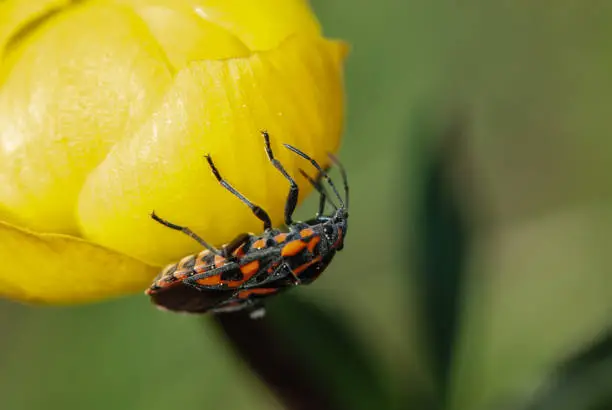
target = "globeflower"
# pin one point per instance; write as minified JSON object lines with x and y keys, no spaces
{"x":106,"y":111}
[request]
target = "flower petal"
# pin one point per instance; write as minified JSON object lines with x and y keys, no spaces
{"x":17,"y":15}
{"x":64,"y":103}
{"x":185,"y":37}
{"x":54,"y":268}
{"x":261,"y":24}
{"x":217,"y":107}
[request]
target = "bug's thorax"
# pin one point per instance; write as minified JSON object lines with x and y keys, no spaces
{"x":332,"y":230}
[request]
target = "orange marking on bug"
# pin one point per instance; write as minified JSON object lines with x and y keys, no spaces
{"x":280,"y":238}
{"x":168,"y":269}
{"x":293,"y":248}
{"x":166,"y":282}
{"x":239,"y":252}
{"x":306,"y":232}
{"x":219,"y":261}
{"x":181,"y":274}
{"x":202,"y":268}
{"x":305,"y":266}
{"x":339,"y":238}
{"x":183,"y":261}
{"x":249,"y":269}
{"x":210,"y":280}
{"x":259,"y":244}
{"x":257,"y":291}
{"x":273,"y":267}
{"x":314,"y":241}
{"x":202,"y":255}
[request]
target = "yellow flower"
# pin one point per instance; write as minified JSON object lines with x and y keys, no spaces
{"x":106,"y":111}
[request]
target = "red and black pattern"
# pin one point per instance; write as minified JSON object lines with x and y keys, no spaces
{"x":253,"y":267}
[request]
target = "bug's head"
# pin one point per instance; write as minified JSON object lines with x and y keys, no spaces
{"x":335,"y":229}
{"x":340,"y":216}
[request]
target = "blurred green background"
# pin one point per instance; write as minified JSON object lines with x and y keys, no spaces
{"x":479,"y":258}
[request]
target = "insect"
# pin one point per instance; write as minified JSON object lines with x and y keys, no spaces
{"x":252,"y":267}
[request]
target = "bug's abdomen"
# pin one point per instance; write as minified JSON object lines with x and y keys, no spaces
{"x":226,"y":273}
{"x":183,"y":298}
{"x":174,"y":274}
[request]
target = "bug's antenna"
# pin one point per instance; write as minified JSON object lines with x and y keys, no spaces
{"x":321,"y":190}
{"x":292,"y":197}
{"x":337,"y":162}
{"x":321,"y":171}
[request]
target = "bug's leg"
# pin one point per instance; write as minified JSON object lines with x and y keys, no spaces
{"x":187,"y":232}
{"x":283,"y":271}
{"x":230,"y":305}
{"x":320,"y":169}
{"x":324,"y":197}
{"x":257,"y":211}
{"x":255,"y":309}
{"x":336,"y":161}
{"x":292,"y":276}
{"x":256,"y":281}
{"x":236,"y":243}
{"x":292,"y":197}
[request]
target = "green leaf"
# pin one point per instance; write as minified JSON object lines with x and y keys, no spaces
{"x":584,"y":382}
{"x":335,"y":355}
{"x":440,"y":234}
{"x":121,"y":354}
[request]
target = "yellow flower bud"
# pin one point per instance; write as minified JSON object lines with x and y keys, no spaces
{"x":106,"y":111}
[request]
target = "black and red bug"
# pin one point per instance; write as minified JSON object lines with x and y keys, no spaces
{"x":253,"y":267}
